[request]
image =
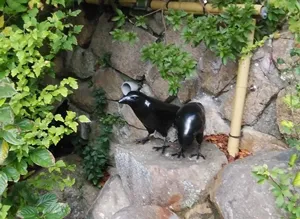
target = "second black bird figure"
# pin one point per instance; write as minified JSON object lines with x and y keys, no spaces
{"x":154,"y":114}
{"x":190,"y":124}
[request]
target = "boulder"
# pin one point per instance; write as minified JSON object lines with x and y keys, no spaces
{"x":214,"y":122}
{"x":267,"y":122}
{"x":130,"y":117}
{"x":83,"y":97}
{"x":150,"y":178}
{"x":155,"y":23}
{"x":257,"y":142}
{"x":256,"y":100}
{"x":127,"y":134}
{"x":236,"y":193}
{"x":200,"y":211}
{"x":145,"y":212}
{"x":110,"y":200}
{"x":85,"y":35}
{"x":213,"y":74}
{"x":160,"y":87}
{"x":282,"y":48}
{"x":284,"y":113}
{"x":188,"y":89}
{"x":125,"y":57}
{"x":110,"y":81}
{"x":82,"y":63}
{"x":146,"y":89}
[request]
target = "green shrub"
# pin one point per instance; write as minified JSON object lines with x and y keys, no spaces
{"x":28,"y":44}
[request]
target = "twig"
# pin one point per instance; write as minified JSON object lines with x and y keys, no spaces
{"x":273,"y":180}
{"x":152,"y":12}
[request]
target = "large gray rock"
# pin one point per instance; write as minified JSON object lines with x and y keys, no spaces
{"x":160,"y":87}
{"x":145,"y":212}
{"x":83,"y":97}
{"x":85,"y":35}
{"x":110,"y":200}
{"x":267,"y":122}
{"x":130,"y":117}
{"x":284,"y":113}
{"x":256,"y":100}
{"x":236,"y":193}
{"x":214,"y":122}
{"x":282,"y":48}
{"x":110,"y":81}
{"x":125,"y":58}
{"x":128,"y":134}
{"x":214,"y":75}
{"x":150,"y":178}
{"x":188,"y":89}
{"x":257,"y":142}
{"x":155,"y":23}
{"x":82,"y":63}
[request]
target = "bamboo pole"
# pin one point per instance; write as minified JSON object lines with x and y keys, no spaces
{"x":190,"y":7}
{"x":239,"y":101}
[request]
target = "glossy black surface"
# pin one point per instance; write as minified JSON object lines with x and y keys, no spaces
{"x":190,"y":124}
{"x":154,"y":114}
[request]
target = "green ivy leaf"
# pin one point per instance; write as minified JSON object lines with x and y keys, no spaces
{"x":21,"y":167}
{"x":296,"y":181}
{"x":11,"y":173}
{"x":293,"y":160}
{"x":42,"y":157}
{"x":11,"y":136}
{"x":28,"y":212}
{"x":83,"y":119}
{"x":46,"y":200}
{"x":6,"y":88}
{"x":25,"y":124}
{"x":6,"y":115}
{"x":3,"y":182}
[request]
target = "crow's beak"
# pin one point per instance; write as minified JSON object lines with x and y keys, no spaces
{"x":124,"y":99}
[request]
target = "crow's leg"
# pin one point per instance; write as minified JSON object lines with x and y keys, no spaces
{"x":179,"y":153}
{"x":143,"y":140}
{"x":162,"y":148}
{"x":199,"y":139}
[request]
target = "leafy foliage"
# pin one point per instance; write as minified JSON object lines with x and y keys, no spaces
{"x":28,"y":44}
{"x":173,"y":63}
{"x":292,"y":9}
{"x":96,"y":153}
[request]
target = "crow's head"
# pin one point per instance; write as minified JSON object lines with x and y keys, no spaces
{"x":133,"y":98}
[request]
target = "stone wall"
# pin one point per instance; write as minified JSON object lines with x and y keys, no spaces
{"x":140,"y":170}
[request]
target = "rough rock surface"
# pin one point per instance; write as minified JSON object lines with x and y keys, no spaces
{"x":149,"y":177}
{"x":81,"y":195}
{"x":214,"y":122}
{"x":110,"y":81}
{"x":85,"y":35}
{"x":124,"y":57}
{"x":145,"y":212}
{"x":82,"y":63}
{"x":284,"y":112}
{"x":110,"y":200}
{"x":267,"y":122}
{"x":282,"y":47}
{"x":256,"y":100}
{"x":214,"y":75}
{"x":130,"y":117}
{"x":175,"y":37}
{"x":257,"y":142}
{"x":237,"y":194}
{"x":188,"y":89}
{"x":155,"y":23}
{"x":160,"y":87}
{"x":200,"y":211}
{"x":127,"y":134}
{"x":83,"y":97}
